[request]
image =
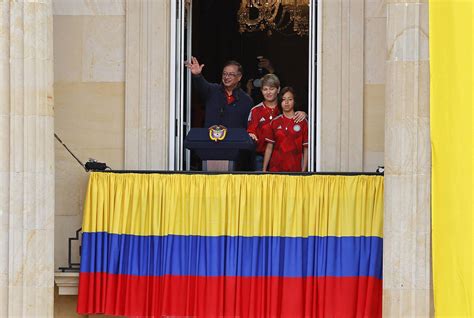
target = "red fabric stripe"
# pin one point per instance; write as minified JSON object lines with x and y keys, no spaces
{"x":229,"y":296}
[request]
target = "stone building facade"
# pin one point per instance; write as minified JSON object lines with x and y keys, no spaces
{"x":87,"y":70}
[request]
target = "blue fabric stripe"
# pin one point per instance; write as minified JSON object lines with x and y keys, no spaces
{"x":231,"y":256}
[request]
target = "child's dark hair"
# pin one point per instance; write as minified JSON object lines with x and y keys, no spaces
{"x":284,"y":90}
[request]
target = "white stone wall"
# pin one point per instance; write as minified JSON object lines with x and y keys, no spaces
{"x":353,"y":85}
{"x":148,"y":85}
{"x":100,"y":48}
{"x":89,"y":84}
{"x":374,"y":83}
{"x":342,"y":72}
{"x":407,"y":284}
{"x":26,"y":159}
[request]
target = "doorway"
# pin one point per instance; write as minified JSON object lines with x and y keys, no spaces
{"x":209,"y":30}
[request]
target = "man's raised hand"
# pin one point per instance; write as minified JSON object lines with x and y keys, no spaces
{"x":194,"y":66}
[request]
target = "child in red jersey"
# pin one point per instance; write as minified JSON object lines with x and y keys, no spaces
{"x":287,"y":141}
{"x":263,"y":113}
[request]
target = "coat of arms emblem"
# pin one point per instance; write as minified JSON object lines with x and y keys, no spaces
{"x":217,"y":133}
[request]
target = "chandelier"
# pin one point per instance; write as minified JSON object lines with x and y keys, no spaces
{"x":271,"y":15}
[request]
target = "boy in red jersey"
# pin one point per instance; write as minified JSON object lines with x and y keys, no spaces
{"x":263,"y":113}
{"x":287,"y":141}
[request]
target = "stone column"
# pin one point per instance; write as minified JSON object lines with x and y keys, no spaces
{"x":342,"y":86}
{"x":26,"y":159}
{"x":147,"y":84}
{"x":407,"y":283}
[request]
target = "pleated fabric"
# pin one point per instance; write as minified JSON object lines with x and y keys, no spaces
{"x":232,"y":246}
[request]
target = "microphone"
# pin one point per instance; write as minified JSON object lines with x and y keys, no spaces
{"x":91,"y":165}
{"x":94,"y":165}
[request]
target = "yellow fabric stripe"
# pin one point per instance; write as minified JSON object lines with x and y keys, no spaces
{"x":234,"y":205}
{"x":451,"y":54}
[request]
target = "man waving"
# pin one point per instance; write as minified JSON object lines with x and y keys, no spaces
{"x":226,"y":103}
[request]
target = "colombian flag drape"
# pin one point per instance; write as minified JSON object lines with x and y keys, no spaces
{"x":232,"y":246}
{"x":451,"y":60}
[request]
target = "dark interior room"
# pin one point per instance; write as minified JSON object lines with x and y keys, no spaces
{"x":216,"y":39}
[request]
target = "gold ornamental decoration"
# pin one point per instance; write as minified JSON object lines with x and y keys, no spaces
{"x":217,"y":133}
{"x":274,"y":15}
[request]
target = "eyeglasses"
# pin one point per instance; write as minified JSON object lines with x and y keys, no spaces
{"x":224,"y":74}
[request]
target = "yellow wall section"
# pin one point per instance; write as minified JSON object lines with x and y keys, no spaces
{"x":451,"y":54}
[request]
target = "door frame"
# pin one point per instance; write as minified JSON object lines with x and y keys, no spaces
{"x":179,"y":89}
